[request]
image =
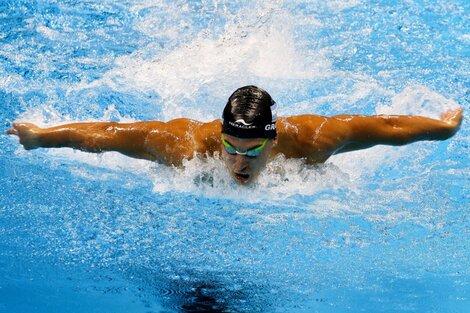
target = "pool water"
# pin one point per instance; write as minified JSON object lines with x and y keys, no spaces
{"x":385,"y":229}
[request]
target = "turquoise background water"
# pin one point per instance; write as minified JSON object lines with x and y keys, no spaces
{"x":380,"y":230}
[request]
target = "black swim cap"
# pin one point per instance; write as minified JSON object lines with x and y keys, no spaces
{"x":250,"y":113}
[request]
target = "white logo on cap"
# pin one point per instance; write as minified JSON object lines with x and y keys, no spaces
{"x":242,"y":121}
{"x":270,"y":127}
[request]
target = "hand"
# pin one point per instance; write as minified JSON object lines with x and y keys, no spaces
{"x":28,"y":134}
{"x":453,"y":118}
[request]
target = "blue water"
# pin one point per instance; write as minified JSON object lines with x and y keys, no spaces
{"x":380,"y":230}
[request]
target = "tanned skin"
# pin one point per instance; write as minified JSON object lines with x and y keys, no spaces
{"x":310,"y":137}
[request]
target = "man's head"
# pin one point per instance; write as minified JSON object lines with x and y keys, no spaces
{"x":248,"y":132}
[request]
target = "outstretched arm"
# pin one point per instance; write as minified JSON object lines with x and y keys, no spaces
{"x":362,"y":132}
{"x":167,"y":142}
{"x":129,"y":139}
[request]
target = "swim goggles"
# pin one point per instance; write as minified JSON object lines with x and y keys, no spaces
{"x":253,"y":152}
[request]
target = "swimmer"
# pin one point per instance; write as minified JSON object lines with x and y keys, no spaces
{"x":248,"y":136}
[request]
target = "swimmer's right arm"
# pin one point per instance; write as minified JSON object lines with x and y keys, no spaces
{"x":128,"y":139}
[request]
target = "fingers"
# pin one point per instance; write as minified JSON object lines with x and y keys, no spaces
{"x":12,"y":131}
{"x":453,"y":118}
{"x":455,"y":114}
{"x":452,"y":114}
{"x":19,"y":127}
{"x":27,"y":134}
{"x":458,"y":117}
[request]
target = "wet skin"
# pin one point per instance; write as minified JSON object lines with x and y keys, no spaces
{"x":312,"y":138}
{"x":245,"y":169}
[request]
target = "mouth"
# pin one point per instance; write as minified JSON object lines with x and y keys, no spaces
{"x":242,"y":177}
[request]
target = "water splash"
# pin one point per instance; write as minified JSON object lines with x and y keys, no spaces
{"x":363,"y":222}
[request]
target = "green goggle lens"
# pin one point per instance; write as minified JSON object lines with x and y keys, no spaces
{"x":250,"y":152}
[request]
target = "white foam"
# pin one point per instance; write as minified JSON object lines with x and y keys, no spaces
{"x":11,"y":82}
{"x":464,"y":38}
{"x":256,"y":45}
{"x":47,"y":115}
{"x":280,"y":180}
{"x":362,"y":87}
{"x":48,"y":32}
{"x":417,"y":100}
{"x":339,"y":5}
{"x":44,"y":116}
{"x":359,"y":163}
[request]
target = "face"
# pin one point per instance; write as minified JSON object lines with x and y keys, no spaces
{"x":244,"y":169}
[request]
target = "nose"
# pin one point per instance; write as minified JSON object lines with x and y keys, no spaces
{"x":241,"y":162}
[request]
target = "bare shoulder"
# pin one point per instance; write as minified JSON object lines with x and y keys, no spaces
{"x":313,"y":137}
{"x":300,"y":122}
{"x":208,"y":137}
{"x":182,"y":138}
{"x":306,"y":128}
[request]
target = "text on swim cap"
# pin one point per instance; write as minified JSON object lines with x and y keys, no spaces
{"x":243,"y":125}
{"x":270,"y":126}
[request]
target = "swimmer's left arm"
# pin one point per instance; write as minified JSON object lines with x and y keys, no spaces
{"x":362,"y":132}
